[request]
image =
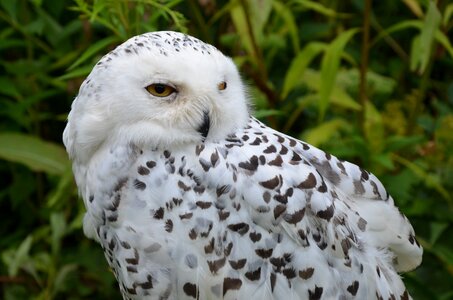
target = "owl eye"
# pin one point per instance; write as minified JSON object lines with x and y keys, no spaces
{"x":221,"y":86}
{"x":160,"y":90}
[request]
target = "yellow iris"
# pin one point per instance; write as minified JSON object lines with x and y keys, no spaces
{"x":160,"y":90}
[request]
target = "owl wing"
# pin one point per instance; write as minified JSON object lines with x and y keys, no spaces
{"x":316,"y":226}
{"x":386,"y":226}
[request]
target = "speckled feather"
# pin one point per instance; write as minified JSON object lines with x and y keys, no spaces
{"x":247,"y":212}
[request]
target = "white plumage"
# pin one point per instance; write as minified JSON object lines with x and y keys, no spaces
{"x":190,"y":197}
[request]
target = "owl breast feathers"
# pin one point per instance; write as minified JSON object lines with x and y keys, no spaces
{"x":192,"y":198}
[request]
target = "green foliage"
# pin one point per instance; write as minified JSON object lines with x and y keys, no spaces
{"x":38,"y":155}
{"x":308,"y":72}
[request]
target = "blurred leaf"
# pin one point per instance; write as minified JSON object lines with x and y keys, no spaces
{"x":290,"y":23}
{"x":436,"y":229}
{"x":77,"y":222}
{"x":43,"y":261}
{"x":447,"y":295}
{"x":448,"y":12}
{"x":35,"y":27}
{"x":397,"y":27}
{"x":16,"y":259}
{"x":302,"y":103}
{"x":439,"y":35}
{"x":324,"y":132}
{"x":414,"y":6}
{"x":10,"y":7}
{"x":222,"y":11}
{"x":299,"y":64}
{"x":94,"y":49}
{"x":62,"y":275}
{"x":29,"y":267}
{"x":395,"y":143}
{"x":377,"y":84}
{"x":444,"y":41}
{"x":383,"y":159}
{"x":259,"y":15}
{"x":374,"y":129}
{"x":339,"y":96}
{"x":430,"y":26}
{"x":33,"y":152}
{"x":400,"y":185}
{"x":240,"y":23}
{"x":329,"y":68}
{"x":262,"y":113}
{"x":51,"y":26}
{"x":63,"y":189}
{"x":430,"y":181}
{"x":11,"y":43}
{"x":320,"y":8}
{"x":58,"y":229}
{"x":445,"y":254}
{"x":7,"y":87}
{"x":77,"y":73}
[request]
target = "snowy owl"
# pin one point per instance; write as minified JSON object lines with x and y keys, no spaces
{"x":190,"y":197}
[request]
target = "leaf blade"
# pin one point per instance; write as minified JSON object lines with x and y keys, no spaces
{"x":93,"y":49}
{"x":329,"y":68}
{"x":299,"y":64}
{"x":37,"y":154}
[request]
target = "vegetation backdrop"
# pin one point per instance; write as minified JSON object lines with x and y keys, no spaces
{"x":369,"y":82}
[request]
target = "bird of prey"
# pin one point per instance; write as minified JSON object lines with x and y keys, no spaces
{"x":191,"y":197}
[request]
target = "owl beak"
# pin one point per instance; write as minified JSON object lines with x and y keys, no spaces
{"x":204,"y":127}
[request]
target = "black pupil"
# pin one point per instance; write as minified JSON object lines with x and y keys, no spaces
{"x":159,"y":88}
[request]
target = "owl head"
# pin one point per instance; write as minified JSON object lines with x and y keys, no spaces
{"x":159,"y":89}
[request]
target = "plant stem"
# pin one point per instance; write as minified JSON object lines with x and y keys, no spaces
{"x":199,"y":20}
{"x":28,"y":37}
{"x":363,"y":98}
{"x":256,"y":49}
{"x":389,"y":40}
